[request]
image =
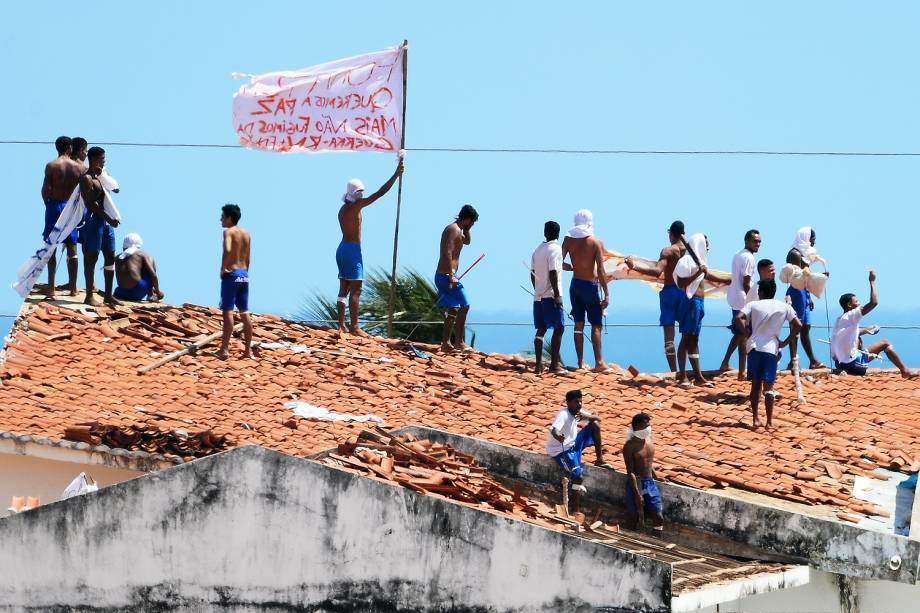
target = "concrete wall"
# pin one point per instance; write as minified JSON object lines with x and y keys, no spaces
{"x":254,"y":530}
{"x":827,"y":545}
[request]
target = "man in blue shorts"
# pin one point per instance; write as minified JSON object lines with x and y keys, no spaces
{"x":670,"y":296}
{"x":641,"y":496}
{"x":545,"y":275}
{"x":565,"y":442}
{"x":136,"y":272}
{"x":348,"y":257}
{"x":801,"y":254}
{"x":62,"y":175}
{"x":741,"y":291}
{"x":234,"y":280}
{"x":765,"y":318}
{"x":587,"y":255}
{"x":98,"y":231}
{"x":451,"y":296}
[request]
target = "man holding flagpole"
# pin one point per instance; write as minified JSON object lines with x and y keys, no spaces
{"x":348,"y":256}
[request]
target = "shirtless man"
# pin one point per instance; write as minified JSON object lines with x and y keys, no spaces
{"x":451,"y":296}
{"x":79,"y":150}
{"x":642,"y":496}
{"x":348,"y":255}
{"x":136,"y":272}
{"x":670,"y":296}
{"x":62,"y":175}
{"x":587,"y":255}
{"x":97,"y":233}
{"x":800,"y":255}
{"x":234,"y":279}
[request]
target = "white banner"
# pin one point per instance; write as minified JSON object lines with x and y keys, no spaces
{"x":353,"y":104}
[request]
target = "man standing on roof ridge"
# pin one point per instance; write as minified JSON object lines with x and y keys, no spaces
{"x":451,"y":296}
{"x":62,"y":175}
{"x":234,"y":279}
{"x":765,"y":317}
{"x":587,"y":255}
{"x":546,"y":277}
{"x":642,"y":495}
{"x":348,"y":255}
{"x":846,"y":341}
{"x":98,"y":231}
{"x":670,"y":296}
{"x":801,"y":254}
{"x":741,"y":291}
{"x":565,"y":442}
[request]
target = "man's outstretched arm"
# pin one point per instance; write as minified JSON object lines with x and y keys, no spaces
{"x":656,"y":271}
{"x":873,"y":295}
{"x":383,"y":188}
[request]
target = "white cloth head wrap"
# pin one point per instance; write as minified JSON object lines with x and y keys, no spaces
{"x":686,"y":267}
{"x":645,"y":434}
{"x":354,"y":186}
{"x":802,"y":244}
{"x":131,"y":245}
{"x":584,"y":225}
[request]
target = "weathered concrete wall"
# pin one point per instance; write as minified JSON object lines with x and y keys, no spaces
{"x":254,"y":530}
{"x":830,"y":546}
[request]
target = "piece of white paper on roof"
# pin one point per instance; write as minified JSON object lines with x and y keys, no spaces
{"x":309,"y":411}
{"x":616,"y":269}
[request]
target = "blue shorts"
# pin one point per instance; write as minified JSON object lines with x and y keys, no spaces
{"x":800,"y":299}
{"x":669,"y":298}
{"x":570,"y":459}
{"x":584,"y":298}
{"x":136,"y":293}
{"x":234,"y":291}
{"x":691,"y":315}
{"x":857,"y":367}
{"x":53,"y":210}
{"x":548,"y":314}
{"x":651,"y":497}
{"x":350,"y":262}
{"x":97,"y":235}
{"x":761,"y":366}
{"x":449,"y":297}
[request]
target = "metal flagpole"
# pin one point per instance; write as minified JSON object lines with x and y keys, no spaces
{"x":402,"y":146}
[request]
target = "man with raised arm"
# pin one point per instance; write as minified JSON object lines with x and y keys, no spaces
{"x":587,"y":255}
{"x":62,"y":175}
{"x":451,"y":296}
{"x":846,"y":341}
{"x":642,"y":496}
{"x":234,"y":279}
{"x":348,"y":256}
{"x":546,"y":277}
{"x":670,"y":296}
{"x":98,"y":231}
{"x":765,"y":317}
{"x":741,"y":291}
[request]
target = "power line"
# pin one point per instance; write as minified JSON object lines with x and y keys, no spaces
{"x":549,"y":151}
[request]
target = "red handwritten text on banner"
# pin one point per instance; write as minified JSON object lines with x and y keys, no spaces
{"x":353,"y":104}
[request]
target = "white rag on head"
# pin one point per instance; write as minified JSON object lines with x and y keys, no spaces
{"x":131,"y":245}
{"x":309,"y":411}
{"x":584,"y":225}
{"x":645,"y":433}
{"x":686,"y":267}
{"x":354,"y":186}
{"x":802,"y":244}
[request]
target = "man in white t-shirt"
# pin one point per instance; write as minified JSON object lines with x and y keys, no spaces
{"x":565,"y":442}
{"x":766,"y":318}
{"x":546,"y":277}
{"x":741,"y":291}
{"x":846,"y":344}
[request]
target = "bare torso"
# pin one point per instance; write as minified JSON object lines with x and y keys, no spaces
{"x":236,"y":250}
{"x":671,"y":255}
{"x":128,"y":271}
{"x":639,"y":456}
{"x":350,"y":222}
{"x":451,"y":245}
{"x":795,"y":257}
{"x":92,"y":192}
{"x":61,"y":177}
{"x":584,"y":254}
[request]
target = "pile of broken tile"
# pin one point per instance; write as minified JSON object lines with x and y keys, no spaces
{"x":144,"y":437}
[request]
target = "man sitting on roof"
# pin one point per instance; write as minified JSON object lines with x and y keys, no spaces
{"x":136,"y":272}
{"x":565,"y":443}
{"x":642,"y":495}
{"x":846,"y":344}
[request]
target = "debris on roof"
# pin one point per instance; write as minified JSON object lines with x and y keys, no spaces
{"x":144,"y":437}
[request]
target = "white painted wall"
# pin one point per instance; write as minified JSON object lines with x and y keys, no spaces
{"x":22,"y":475}
{"x":822,"y":595}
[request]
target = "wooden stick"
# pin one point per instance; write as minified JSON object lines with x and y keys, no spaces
{"x":191,"y":348}
{"x":402,"y":147}
{"x":479,"y":259}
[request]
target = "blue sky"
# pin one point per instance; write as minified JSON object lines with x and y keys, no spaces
{"x":717,"y":75}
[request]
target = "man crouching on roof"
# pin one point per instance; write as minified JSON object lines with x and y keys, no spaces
{"x":136,"y":272}
{"x":642,"y":495}
{"x":565,"y":442}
